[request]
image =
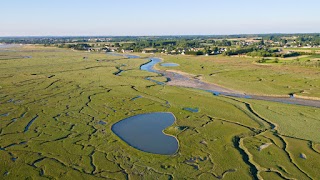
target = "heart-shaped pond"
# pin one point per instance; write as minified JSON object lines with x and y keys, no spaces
{"x":145,"y":132}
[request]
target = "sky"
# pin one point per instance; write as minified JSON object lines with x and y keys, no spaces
{"x":163,"y":17}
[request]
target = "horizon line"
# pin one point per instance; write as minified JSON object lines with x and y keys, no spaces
{"x":240,"y":34}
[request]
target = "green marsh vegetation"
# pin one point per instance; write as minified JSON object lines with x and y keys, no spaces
{"x":51,"y":105}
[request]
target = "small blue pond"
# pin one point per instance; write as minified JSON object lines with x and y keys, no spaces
{"x":102,"y":123}
{"x":169,"y":64}
{"x":194,"y":110}
{"x":155,"y":81}
{"x":123,"y":55}
{"x":137,"y":97}
{"x":131,"y":56}
{"x":145,"y":132}
{"x":4,"y":115}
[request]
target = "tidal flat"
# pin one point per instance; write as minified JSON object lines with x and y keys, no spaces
{"x":58,"y":108}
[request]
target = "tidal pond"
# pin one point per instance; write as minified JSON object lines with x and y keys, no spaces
{"x":145,"y":132}
{"x":123,"y":55}
{"x":194,"y":110}
{"x":169,"y":64}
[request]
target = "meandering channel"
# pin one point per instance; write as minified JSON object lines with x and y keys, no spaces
{"x":177,"y":79}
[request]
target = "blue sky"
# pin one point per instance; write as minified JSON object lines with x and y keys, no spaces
{"x":164,"y":17}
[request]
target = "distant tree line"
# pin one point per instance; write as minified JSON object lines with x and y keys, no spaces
{"x":265,"y":45}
